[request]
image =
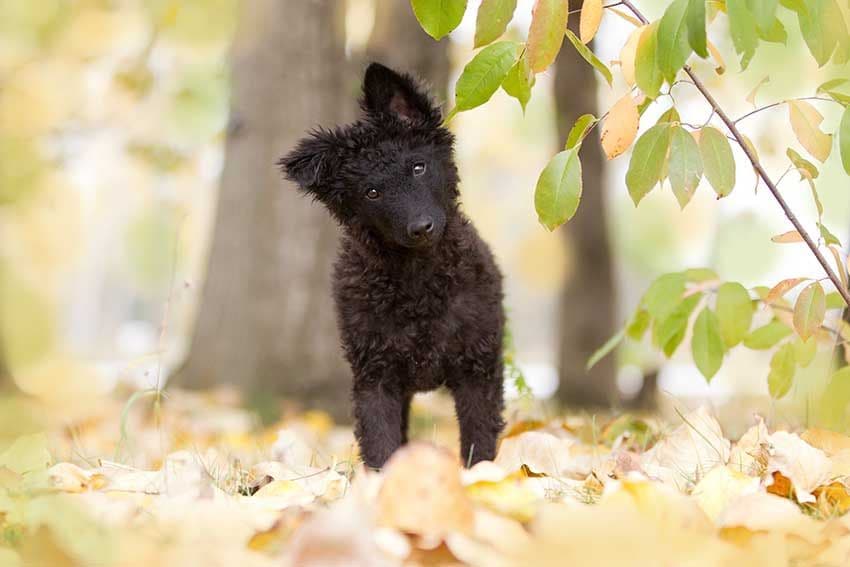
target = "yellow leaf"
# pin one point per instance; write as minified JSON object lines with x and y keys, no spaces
{"x":627,"y":56}
{"x":621,"y":127}
{"x":591,"y":16}
{"x":803,"y":465}
{"x":511,"y":497}
{"x":721,"y":486}
{"x":827,"y":441}
{"x":629,"y":18}
{"x":751,"y":98}
{"x":805,"y":121}
{"x":782,"y":288}
{"x":720,"y":64}
{"x":426,"y":480}
{"x":839,"y":265}
{"x":790,"y":237}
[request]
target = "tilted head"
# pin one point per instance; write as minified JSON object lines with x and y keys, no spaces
{"x":392,"y":172}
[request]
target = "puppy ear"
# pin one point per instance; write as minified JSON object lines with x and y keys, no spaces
{"x":310,"y":164}
{"x":388,"y":92}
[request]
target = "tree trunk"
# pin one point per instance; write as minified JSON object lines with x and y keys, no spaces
{"x":399,"y":42}
{"x":588,"y":303}
{"x":266,"y":322}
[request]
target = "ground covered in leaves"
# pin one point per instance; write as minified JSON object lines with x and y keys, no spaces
{"x":193,"y":480}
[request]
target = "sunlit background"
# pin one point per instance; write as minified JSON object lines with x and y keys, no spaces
{"x":113,"y":117}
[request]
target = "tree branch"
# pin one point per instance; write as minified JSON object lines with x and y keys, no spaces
{"x":739,"y":138}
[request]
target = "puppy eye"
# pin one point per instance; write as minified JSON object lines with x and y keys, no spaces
{"x":418,"y":169}
{"x":372,"y":194}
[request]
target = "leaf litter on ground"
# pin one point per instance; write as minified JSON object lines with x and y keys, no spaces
{"x":200,"y":481}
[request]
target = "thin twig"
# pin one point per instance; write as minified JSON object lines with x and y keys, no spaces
{"x":772,"y":105}
{"x":739,"y":138}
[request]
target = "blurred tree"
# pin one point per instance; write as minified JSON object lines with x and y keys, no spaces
{"x":398,"y":41}
{"x":266,"y":322}
{"x":588,"y":302}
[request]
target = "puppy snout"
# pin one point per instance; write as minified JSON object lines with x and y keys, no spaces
{"x":420,"y":228}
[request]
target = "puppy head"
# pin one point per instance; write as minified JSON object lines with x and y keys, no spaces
{"x":391,"y":172}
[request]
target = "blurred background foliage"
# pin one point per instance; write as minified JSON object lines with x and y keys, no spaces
{"x":114,"y":119}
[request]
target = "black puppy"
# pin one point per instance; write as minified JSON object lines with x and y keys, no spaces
{"x":418,"y":294}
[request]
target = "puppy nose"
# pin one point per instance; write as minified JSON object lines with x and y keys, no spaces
{"x":420,"y":228}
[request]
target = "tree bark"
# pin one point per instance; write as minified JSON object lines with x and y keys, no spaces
{"x":588,"y":301}
{"x":266,"y":322}
{"x":399,"y":42}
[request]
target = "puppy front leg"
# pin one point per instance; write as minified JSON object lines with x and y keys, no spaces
{"x":378,"y":415}
{"x":479,"y":404}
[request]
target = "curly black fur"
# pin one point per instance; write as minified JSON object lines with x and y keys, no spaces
{"x":418,"y":294}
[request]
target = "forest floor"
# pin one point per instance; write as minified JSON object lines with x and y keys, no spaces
{"x":192,"y":479}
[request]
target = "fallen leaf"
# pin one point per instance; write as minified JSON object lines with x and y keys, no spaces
{"x":427,"y":480}
{"x":805,"y":466}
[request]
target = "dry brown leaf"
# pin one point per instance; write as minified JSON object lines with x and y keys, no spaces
{"x":621,"y":127}
{"x":752,"y":451}
{"x":805,"y":122}
{"x":427,"y":480}
{"x":685,"y":456}
{"x":591,"y":16}
{"x":68,"y":477}
{"x":805,"y":466}
{"x":540,"y":452}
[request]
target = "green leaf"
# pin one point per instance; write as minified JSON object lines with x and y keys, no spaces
{"x":717,"y":160}
{"x":836,"y":397}
{"x":706,"y":345}
{"x":798,"y":6}
{"x":696,"y":27}
{"x":823,"y":28}
{"x":670,"y":115}
{"x":519,"y":82}
{"x":699,"y":275}
{"x":805,"y":351}
{"x":558,"y":191}
{"x":579,"y":130}
{"x":482,"y":76}
{"x":764,"y":13}
{"x":774,"y":34}
{"x":684,"y":168}
{"x":648,"y":76}
{"x":844,"y":140}
{"x":802,"y":165}
{"x":438,"y":17}
{"x":603,"y":351}
{"x":782,"y":367}
{"x":827,"y":236}
{"x":742,"y":26}
{"x":809,"y":310}
{"x":734,"y":312}
{"x":638,"y":325}
{"x":647,"y":161}
{"x":546,"y":34}
{"x":767,"y":336}
{"x":492,"y":20}
{"x":669,"y":332}
{"x":664,"y":294}
{"x":590,"y":57}
{"x":829,"y":87}
{"x":834,"y":300}
{"x":672,"y":43}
